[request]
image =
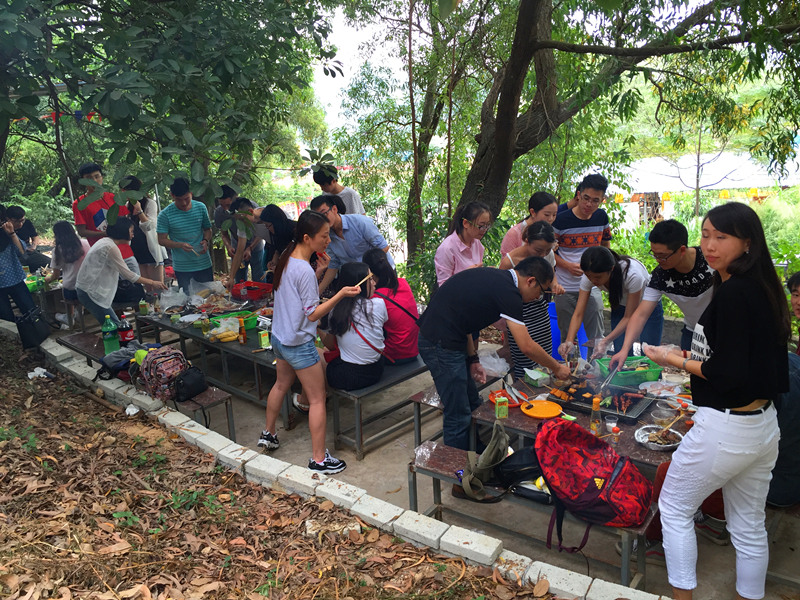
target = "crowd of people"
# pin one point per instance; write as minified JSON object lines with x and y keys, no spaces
{"x":734,"y":342}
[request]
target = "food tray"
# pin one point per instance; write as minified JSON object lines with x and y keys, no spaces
{"x":249,"y":323}
{"x":255,"y":290}
{"x":631,"y":378}
{"x":631,"y":416}
{"x":641,"y":435}
{"x":512,"y":402}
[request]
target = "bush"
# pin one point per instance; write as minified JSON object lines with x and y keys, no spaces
{"x":43,"y":210}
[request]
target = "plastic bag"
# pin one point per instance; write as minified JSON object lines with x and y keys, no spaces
{"x":229,"y":324}
{"x":173,"y":297}
{"x":586,"y":369}
{"x":493,"y":364}
{"x":205,"y":288}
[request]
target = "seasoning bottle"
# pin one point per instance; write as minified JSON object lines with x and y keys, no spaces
{"x":205,"y":324}
{"x":614,"y":436}
{"x":242,"y":332}
{"x":595,"y":421}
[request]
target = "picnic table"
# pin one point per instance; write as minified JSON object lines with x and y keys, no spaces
{"x":228,"y":351}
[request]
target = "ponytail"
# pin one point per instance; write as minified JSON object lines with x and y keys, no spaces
{"x":308,"y":224}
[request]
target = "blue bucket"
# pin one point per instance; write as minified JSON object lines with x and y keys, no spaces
{"x":556,"y":335}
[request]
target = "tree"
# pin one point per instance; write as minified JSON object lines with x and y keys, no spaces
{"x":197,"y":83}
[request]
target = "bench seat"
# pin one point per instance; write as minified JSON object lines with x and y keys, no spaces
{"x":440,"y":462}
{"x":206,"y":400}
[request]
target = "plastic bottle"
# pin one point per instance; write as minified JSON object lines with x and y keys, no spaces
{"x":110,"y":337}
{"x":242,"y":332}
{"x":614,"y":439}
{"x":125,"y":331}
{"x":26,"y":270}
{"x":595,"y":420}
{"x":205,"y":324}
{"x":157,"y":305}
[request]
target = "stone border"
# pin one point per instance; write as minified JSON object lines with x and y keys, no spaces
{"x":271,"y":473}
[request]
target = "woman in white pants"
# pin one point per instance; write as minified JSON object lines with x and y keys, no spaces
{"x":738,"y":366}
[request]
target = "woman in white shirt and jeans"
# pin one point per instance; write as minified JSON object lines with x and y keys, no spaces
{"x":103,"y":265}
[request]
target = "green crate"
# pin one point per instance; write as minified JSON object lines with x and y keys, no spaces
{"x":249,"y":323}
{"x":631,"y":378}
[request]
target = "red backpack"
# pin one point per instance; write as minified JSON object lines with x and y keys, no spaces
{"x":589,"y":479}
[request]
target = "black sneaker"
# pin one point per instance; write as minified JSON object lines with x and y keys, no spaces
{"x":268,"y":441}
{"x":329,"y":466}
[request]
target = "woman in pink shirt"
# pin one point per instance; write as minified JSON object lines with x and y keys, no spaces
{"x":542,"y":207}
{"x":462,"y":248}
{"x":400,"y":329}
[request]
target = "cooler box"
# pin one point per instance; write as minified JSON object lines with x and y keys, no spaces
{"x":251,"y":290}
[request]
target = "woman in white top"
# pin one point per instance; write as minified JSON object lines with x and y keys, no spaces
{"x":102,"y":266}
{"x":357,"y":324}
{"x":624,"y":278}
{"x":149,"y":253}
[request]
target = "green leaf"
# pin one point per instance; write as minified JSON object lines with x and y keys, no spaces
{"x":446,"y":7}
{"x":112,"y":214}
{"x":198,"y":172}
{"x":189,"y":138}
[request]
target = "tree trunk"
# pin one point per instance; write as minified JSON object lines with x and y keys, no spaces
{"x":697,"y":172}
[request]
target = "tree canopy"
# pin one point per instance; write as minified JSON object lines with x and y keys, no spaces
{"x":198,"y":84}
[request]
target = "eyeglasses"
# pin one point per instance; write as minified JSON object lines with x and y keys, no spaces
{"x":325,"y":212}
{"x":590,"y":200}
{"x":480,"y":227}
{"x":660,"y":258}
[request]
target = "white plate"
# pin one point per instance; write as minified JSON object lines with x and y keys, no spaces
{"x":661,"y":389}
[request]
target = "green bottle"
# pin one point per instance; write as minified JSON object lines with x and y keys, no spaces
{"x":110,"y":337}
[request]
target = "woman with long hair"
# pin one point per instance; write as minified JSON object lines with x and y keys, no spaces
{"x":539,"y":240}
{"x":294,"y":330}
{"x":624,"y":278}
{"x":12,"y":277}
{"x":281,"y":229}
{"x":738,"y":367}
{"x":69,"y":250}
{"x":356,"y":323}
{"x":542,"y":206}
{"x":401,"y":306}
{"x":98,"y":276}
{"x":149,"y":254}
{"x":462,"y":248}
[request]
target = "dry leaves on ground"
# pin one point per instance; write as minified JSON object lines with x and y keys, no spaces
{"x":100,"y":506}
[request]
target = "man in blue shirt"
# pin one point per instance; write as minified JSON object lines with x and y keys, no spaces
{"x":185,"y":227}
{"x":351,"y":236}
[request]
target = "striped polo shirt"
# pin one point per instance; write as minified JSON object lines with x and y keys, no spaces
{"x":186,"y":226}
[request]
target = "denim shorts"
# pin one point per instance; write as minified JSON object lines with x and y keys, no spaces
{"x":299,"y":357}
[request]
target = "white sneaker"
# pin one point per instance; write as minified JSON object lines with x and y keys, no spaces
{"x":62,"y":318}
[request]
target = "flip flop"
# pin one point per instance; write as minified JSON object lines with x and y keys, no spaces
{"x":299,"y":406}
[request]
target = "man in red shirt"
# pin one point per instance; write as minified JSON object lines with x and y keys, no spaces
{"x":91,"y":221}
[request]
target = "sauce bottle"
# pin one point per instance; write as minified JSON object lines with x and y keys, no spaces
{"x":242,"y":332}
{"x":595,"y":421}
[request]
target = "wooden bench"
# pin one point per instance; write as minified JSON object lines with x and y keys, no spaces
{"x":354,"y":436}
{"x":441,"y":462}
{"x":209,"y":399}
{"x":89,"y":345}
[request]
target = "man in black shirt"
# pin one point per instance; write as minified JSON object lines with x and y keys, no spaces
{"x":467,"y":302}
{"x":29,"y":237}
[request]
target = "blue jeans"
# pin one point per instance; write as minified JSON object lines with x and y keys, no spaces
{"x":185,"y":277}
{"x":97,"y":311}
{"x":456,"y":389}
{"x":256,"y":264}
{"x":651,"y":334}
{"x":21,"y":296}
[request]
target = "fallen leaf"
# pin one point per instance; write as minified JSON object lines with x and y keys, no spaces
{"x":504,"y":593}
{"x":28,"y":402}
{"x":326,"y":505}
{"x":118,"y":548}
{"x":541,"y":588}
{"x":373,"y":536}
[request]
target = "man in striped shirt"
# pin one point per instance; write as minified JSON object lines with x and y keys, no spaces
{"x":184,"y":227}
{"x":579,"y":228}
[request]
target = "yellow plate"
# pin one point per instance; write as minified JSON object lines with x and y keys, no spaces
{"x":541,"y":409}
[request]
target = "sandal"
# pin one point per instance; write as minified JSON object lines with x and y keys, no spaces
{"x":299,"y":406}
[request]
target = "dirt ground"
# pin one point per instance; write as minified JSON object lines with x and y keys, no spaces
{"x":95,"y":504}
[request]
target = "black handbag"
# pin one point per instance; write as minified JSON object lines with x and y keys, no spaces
{"x":33,"y":328}
{"x":189,"y":384}
{"x":518,"y":469}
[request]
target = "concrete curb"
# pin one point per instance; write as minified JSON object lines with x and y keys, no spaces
{"x":473,"y":547}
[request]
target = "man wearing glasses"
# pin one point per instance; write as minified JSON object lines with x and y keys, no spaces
{"x":351,"y":236}
{"x":583,"y":226}
{"x":682,"y":275}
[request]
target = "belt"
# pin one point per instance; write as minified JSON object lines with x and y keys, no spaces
{"x":745,"y":413}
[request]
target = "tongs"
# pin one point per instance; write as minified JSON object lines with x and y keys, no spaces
{"x":607,"y":380}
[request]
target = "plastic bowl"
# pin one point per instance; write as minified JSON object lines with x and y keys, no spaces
{"x":662,"y":418}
